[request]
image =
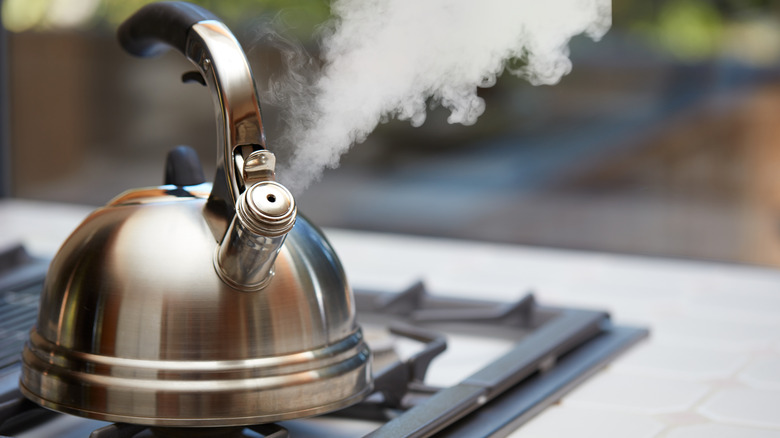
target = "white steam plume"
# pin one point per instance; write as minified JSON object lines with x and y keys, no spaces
{"x":391,"y":58}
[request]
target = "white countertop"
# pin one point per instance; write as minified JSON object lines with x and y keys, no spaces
{"x":711,"y":367}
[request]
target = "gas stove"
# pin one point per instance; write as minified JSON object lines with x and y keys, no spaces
{"x":443,"y":366}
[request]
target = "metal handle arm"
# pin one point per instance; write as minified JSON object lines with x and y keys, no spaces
{"x":213,"y":49}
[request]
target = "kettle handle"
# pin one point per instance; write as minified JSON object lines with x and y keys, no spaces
{"x":155,"y":28}
{"x":221,"y":62}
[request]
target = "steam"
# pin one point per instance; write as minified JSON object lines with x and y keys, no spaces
{"x":385,"y":59}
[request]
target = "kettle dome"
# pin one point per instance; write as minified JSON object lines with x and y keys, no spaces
{"x":136,"y":326}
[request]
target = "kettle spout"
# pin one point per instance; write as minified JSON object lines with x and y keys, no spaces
{"x":265,"y":213}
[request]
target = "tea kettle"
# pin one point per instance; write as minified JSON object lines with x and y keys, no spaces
{"x":192,"y":304}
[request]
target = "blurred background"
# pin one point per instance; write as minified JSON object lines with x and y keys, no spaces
{"x":664,"y":140}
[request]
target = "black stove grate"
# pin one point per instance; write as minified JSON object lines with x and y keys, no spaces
{"x":553,"y":350}
{"x":19,"y":292}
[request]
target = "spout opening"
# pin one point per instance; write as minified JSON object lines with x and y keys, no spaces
{"x":267,"y":208}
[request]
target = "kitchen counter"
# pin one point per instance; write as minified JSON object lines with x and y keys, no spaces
{"x":711,"y":367}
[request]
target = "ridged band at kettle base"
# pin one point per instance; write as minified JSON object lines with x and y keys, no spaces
{"x":196,"y":393}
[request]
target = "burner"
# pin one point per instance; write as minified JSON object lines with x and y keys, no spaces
{"x":543,"y":353}
{"x":183,"y":432}
{"x":135,"y":431}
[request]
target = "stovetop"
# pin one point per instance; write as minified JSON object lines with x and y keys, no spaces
{"x":446,"y":366}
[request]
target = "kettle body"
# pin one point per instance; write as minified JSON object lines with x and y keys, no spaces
{"x":135,"y":325}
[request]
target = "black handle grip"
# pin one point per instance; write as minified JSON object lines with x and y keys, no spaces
{"x":182,"y":167}
{"x":158,"y":26}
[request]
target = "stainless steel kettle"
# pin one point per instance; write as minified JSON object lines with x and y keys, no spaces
{"x":190,"y":304}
